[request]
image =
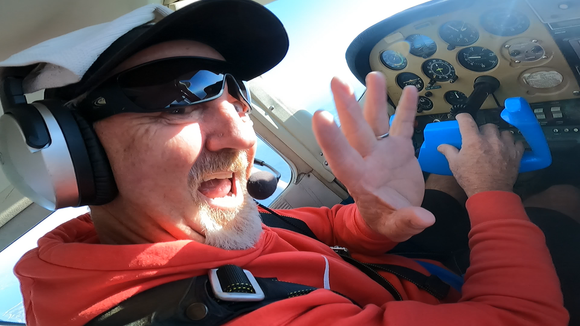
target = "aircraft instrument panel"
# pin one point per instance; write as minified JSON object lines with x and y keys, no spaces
{"x":532,"y":47}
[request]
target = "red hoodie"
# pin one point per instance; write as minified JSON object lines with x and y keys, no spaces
{"x":71,"y":278}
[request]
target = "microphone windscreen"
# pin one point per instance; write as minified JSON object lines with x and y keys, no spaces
{"x":262,"y":185}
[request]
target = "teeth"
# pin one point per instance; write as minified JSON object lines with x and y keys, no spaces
{"x":218,"y":175}
{"x":227,"y":201}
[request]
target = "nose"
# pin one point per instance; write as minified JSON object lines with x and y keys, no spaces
{"x":228,"y":125}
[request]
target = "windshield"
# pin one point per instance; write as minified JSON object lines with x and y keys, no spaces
{"x":320,"y":32}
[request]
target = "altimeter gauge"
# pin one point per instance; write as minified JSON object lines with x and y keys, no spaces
{"x":477,"y":58}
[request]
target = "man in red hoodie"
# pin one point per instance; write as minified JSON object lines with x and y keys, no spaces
{"x":171,"y":114}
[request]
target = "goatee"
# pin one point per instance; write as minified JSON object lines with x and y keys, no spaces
{"x":232,"y":229}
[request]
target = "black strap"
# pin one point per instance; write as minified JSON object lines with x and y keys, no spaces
{"x":191,"y":302}
{"x":432,"y":284}
{"x":372,"y":273}
{"x":275,"y":220}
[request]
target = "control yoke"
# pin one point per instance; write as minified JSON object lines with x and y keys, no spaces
{"x":482,"y":88}
{"x":517,"y":112}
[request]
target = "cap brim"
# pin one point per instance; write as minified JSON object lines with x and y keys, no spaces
{"x":244,"y":32}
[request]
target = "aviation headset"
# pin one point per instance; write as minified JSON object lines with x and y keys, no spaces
{"x":49,"y":152}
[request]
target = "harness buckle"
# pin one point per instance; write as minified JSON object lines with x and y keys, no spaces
{"x":232,"y":283}
{"x":341,"y":251}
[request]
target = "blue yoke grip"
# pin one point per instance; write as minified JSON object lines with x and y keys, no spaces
{"x":517,"y":112}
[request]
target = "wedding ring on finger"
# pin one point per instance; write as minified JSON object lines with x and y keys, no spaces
{"x":385,"y":135}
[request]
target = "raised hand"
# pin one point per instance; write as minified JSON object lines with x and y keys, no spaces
{"x":488,"y":160}
{"x":382,"y":175}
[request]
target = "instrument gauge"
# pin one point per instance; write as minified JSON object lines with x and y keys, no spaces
{"x":393,"y":60}
{"x":505,"y":22}
{"x":458,"y":33}
{"x":421,"y":45}
{"x":477,"y":58}
{"x":439,"y":70}
{"x":408,"y":78}
{"x":526,"y":51}
{"x":455,"y":97}
{"x":424,"y":104}
{"x":542,"y":79}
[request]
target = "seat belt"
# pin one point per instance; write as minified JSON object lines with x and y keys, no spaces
{"x":432,"y":283}
{"x":204,"y":300}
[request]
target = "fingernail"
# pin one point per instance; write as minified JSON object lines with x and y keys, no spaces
{"x":376,"y":74}
{"x":343,"y":84}
{"x":327,"y":116}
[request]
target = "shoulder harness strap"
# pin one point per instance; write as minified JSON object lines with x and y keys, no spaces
{"x":432,"y":284}
{"x":192,"y":301}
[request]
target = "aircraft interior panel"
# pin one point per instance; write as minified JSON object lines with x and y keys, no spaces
{"x":530,"y":48}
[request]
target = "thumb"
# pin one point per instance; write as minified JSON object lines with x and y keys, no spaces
{"x":409,"y":221}
{"x":448,"y":151}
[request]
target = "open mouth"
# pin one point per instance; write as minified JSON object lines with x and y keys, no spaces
{"x":220,"y":190}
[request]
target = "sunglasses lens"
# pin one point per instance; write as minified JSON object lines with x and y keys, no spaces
{"x":168,"y":84}
{"x":202,"y":85}
{"x":154,"y":94}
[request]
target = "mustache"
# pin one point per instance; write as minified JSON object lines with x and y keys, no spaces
{"x":223,"y":160}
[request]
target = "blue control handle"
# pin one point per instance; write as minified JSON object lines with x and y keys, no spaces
{"x":517,"y":112}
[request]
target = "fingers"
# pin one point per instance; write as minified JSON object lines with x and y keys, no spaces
{"x":341,"y":157}
{"x":508,"y":140}
{"x":375,"y":107}
{"x":520,"y":150}
{"x":356,"y":129}
{"x":450,"y":152}
{"x":517,"y":147}
{"x":408,"y":222}
{"x":403,"y":124}
{"x":467,"y":127}
{"x":507,"y":137}
{"x":490,"y":130}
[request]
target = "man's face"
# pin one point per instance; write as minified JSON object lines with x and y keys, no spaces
{"x":182,"y":174}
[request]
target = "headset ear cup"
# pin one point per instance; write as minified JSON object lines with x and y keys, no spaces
{"x":105,"y":185}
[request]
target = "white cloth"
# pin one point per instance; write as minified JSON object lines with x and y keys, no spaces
{"x":65,"y":59}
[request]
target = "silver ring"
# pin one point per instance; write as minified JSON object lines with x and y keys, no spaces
{"x":383,"y":136}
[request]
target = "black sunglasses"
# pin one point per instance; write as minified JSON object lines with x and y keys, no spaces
{"x":163,"y":85}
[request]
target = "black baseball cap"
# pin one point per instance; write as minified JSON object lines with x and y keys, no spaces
{"x":244,"y":32}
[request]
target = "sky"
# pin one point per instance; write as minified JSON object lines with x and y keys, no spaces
{"x":320,"y":31}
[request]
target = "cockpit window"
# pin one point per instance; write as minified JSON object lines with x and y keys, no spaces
{"x":320,"y":32}
{"x":267,"y":153}
{"x":11,"y":308}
